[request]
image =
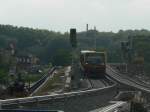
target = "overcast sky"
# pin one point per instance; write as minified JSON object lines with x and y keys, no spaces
{"x":61,"y":15}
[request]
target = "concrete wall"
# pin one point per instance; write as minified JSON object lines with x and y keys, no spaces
{"x":88,"y":100}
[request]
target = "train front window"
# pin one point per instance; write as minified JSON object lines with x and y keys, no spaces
{"x":94,"y":60}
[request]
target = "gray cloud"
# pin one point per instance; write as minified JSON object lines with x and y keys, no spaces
{"x":60,"y":15}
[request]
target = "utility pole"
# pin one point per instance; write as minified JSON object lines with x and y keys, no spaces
{"x":124,"y":48}
{"x":87,"y":27}
{"x":130,"y":49}
{"x":95,"y":43}
{"x":94,"y":28}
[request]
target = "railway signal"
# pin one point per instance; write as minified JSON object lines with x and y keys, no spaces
{"x":133,"y":58}
{"x":73,"y":39}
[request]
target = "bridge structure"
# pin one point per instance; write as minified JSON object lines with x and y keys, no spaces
{"x":79,"y":101}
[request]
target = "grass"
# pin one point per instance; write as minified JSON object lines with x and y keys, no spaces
{"x":51,"y":84}
{"x":30,"y":77}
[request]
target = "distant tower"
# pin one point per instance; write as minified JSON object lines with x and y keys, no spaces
{"x":95,"y":28}
{"x":87,"y":27}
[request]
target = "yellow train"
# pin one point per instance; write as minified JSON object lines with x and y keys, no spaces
{"x":93,"y":62}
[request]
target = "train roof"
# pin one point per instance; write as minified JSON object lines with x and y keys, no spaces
{"x":88,"y":51}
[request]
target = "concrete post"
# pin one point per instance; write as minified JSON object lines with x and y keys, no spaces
{"x":75,"y":59}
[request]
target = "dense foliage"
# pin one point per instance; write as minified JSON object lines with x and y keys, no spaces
{"x":42,"y":43}
{"x":54,"y":47}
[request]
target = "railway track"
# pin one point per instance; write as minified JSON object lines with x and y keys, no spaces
{"x":98,"y":88}
{"x":106,"y":83}
{"x":101,"y":89}
{"x":132,"y":80}
{"x":41,"y":82}
{"x":98,"y":82}
{"x":126,"y":80}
